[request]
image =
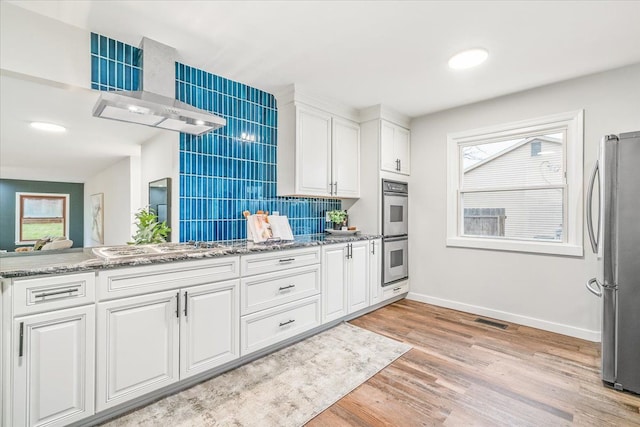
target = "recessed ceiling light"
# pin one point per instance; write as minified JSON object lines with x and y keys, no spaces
{"x":468,"y":58}
{"x":49,"y":127}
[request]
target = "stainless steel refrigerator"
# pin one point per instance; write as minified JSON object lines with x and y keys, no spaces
{"x":615,"y":237}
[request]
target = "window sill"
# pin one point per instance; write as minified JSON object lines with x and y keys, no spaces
{"x":517,"y":246}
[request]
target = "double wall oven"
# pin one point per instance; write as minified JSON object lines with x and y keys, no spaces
{"x":395,"y":231}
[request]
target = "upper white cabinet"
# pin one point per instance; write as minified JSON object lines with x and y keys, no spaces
{"x":345,"y":158}
{"x":318,"y":153}
{"x":394,"y":148}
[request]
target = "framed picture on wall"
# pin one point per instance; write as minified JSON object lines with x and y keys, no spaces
{"x":97,"y":218}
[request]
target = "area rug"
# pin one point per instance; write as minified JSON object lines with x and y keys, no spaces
{"x":286,"y":388}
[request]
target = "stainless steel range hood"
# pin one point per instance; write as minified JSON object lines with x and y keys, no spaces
{"x":155,"y":105}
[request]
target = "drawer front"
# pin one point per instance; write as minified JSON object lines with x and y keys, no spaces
{"x":160,"y":277}
{"x":271,"y":326}
{"x":279,"y":260}
{"x":269,"y":290}
{"x":395,"y":290}
{"x":53,"y":292}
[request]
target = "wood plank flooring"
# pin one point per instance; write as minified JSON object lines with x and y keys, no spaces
{"x":463,"y":373}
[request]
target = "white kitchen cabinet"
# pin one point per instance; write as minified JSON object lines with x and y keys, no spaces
{"x":345,"y":279}
{"x":375,"y":271}
{"x":318,"y":153}
{"x":394,"y":148}
{"x":345,"y":158}
{"x":334,"y":282}
{"x":313,"y":152}
{"x":209,"y":329}
{"x":138,"y":346}
{"x":148,"y":342}
{"x":53,"y":367}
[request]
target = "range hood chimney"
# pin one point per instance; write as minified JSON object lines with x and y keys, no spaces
{"x":155,"y":104}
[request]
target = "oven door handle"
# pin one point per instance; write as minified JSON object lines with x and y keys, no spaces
{"x":396,"y":238}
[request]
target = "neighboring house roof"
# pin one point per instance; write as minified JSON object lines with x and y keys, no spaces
{"x":513,"y":147}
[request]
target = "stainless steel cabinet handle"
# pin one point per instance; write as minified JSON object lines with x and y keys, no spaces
{"x":331,"y":188}
{"x":396,"y":289}
{"x":178,"y":305}
{"x":186,"y":302}
{"x":287,"y":322}
{"x":399,"y":165}
{"x":373,"y":248}
{"x":335,"y":190}
{"x":287,"y":260}
{"x":593,"y":237}
{"x":48,"y":294}
{"x":596,"y":292}
{"x":283,"y":288}
{"x":21,"y":346}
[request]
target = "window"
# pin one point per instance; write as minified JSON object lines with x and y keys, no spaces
{"x":41,"y":215}
{"x":517,"y":186}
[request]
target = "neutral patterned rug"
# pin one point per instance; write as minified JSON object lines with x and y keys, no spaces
{"x":286,"y":388}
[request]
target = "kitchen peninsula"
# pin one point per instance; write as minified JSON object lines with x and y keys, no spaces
{"x":125,"y":325}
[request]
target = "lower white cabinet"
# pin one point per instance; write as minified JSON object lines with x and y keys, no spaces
{"x":137,"y":346}
{"x":150,"y":341}
{"x":267,"y":327}
{"x":375,"y":271}
{"x":209,"y":327}
{"x":345,"y":284}
{"x":53,"y":367}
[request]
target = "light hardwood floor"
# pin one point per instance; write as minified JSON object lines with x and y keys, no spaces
{"x":462,"y":373}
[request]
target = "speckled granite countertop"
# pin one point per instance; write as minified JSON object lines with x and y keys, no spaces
{"x":77,"y":260}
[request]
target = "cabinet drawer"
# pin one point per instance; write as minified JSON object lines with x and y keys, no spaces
{"x":269,"y":290}
{"x":395,"y":290}
{"x":53,"y":292}
{"x":279,"y":260}
{"x":271,"y":326}
{"x":143,"y":280}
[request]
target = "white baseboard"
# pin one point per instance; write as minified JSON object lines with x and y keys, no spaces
{"x":545,"y":325}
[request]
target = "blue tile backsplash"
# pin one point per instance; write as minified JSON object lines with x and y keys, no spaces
{"x":226,"y":171}
{"x":114,"y":65}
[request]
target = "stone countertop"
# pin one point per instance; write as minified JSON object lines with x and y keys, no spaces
{"x":79,"y":260}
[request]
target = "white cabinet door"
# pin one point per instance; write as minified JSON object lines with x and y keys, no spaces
{"x":394,"y":148}
{"x":53,"y":367}
{"x":402,"y":147}
{"x":388,"y":159}
{"x":334,"y":282}
{"x":138,"y":344}
{"x":375,"y":271}
{"x":345,"y":158}
{"x":358,"y":264}
{"x":209,"y":327}
{"x":313,"y":152}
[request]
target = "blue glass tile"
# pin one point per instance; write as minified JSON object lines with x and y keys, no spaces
{"x":94,"y":43}
{"x":135,"y":81}
{"x":95,"y":68}
{"x":103,"y":47}
{"x":120,"y":76}
{"x":119,"y":51}
{"x":103,"y":71}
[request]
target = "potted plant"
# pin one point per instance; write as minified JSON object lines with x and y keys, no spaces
{"x":338,"y":218}
{"x":149,"y":229}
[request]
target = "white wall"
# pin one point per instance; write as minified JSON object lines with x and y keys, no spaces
{"x":538,"y":290}
{"x":160,"y":158}
{"x":120,"y":184}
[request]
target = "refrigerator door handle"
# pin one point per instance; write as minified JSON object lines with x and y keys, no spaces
{"x":596,"y":292}
{"x":593,"y":235}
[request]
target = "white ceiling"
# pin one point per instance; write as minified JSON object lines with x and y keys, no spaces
{"x":360,"y":53}
{"x":88,"y":146}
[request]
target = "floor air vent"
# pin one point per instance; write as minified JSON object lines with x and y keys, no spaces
{"x":491,"y":323}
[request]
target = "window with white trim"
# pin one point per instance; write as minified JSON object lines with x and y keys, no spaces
{"x":517,"y":186}
{"x":41,"y":215}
